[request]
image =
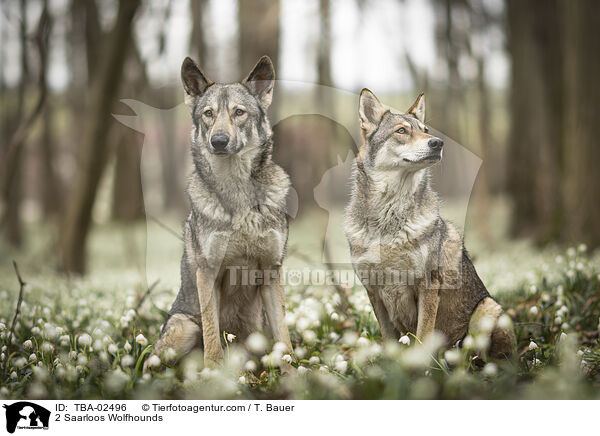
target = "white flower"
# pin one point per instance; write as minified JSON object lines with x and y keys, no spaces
{"x":85,"y":339}
{"x":2,"y":356}
{"x":250,"y":365}
{"x":300,"y":352}
{"x":309,"y":336}
{"x":534,"y":310}
{"x":362,"y":342}
{"x":452,"y":356}
{"x":314,"y":360}
{"x":127,"y":360}
{"x":405,"y":340}
{"x":580,"y":352}
{"x":504,"y":322}
{"x":565,"y":326}
{"x":113,"y":349}
{"x":302,"y":370}
{"x":32,"y":357}
{"x":20,"y":362}
{"x":558,"y":320}
{"x":127,"y":347}
{"x":256,"y":343}
{"x":47,"y":347}
{"x":169,"y":354}
{"x":28,"y":345}
{"x":2,"y":326}
{"x":82,"y":359}
{"x":334,"y":316}
{"x":533,"y":346}
{"x":230,"y":337}
{"x":13,"y":375}
{"x":563,"y":336}
{"x":486,"y":324}
{"x":537,"y":362}
{"x":287,"y":358}
{"x":141,"y":339}
{"x":324,"y":368}
{"x":242,"y":379}
{"x":571,"y":252}
{"x":468,"y":342}
{"x":533,"y":289}
{"x":153,"y":361}
{"x":341,"y":366}
{"x":490,"y":369}
{"x":280,"y":347}
{"x":582,"y":248}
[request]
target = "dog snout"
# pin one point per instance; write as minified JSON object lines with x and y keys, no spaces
{"x":219,"y":141}
{"x":435,"y":143}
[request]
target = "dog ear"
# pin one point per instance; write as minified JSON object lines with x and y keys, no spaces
{"x":261,"y":81}
{"x":194,"y":81}
{"x":417,"y":110}
{"x":370,"y":110}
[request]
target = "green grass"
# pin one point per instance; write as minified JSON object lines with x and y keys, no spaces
{"x":87,"y":338}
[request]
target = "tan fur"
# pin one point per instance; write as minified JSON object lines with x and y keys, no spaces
{"x":180,"y":335}
{"x":502,"y":341}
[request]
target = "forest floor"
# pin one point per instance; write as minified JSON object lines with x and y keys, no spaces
{"x":82,"y":338}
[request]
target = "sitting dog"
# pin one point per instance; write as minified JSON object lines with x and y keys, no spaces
{"x":393,"y":224}
{"x":237,"y":223}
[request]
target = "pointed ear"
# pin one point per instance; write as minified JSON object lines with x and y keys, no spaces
{"x":370,"y":110}
{"x":261,"y":81}
{"x":194,"y":81}
{"x":417,"y":110}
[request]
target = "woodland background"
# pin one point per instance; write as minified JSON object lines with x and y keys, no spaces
{"x":514,"y":82}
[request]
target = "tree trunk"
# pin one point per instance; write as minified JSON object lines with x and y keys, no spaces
{"x":197,"y":41}
{"x":258,"y":32}
{"x":535,"y":142}
{"x":128,"y":204}
{"x":581,"y":147}
{"x":95,"y":147}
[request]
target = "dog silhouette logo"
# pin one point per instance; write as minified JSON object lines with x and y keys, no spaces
{"x":26,"y":415}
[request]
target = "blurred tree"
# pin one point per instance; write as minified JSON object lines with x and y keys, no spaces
{"x":127,"y":198}
{"x":12,"y":163}
{"x":95,"y":147}
{"x":534,"y":147}
{"x":581,"y":112}
{"x":554,"y":111}
{"x":198,"y":47}
{"x":258,"y":32}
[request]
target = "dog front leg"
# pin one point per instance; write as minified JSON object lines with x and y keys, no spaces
{"x":429,"y":299}
{"x":388,"y":331}
{"x":273,"y":297}
{"x":209,"y":312}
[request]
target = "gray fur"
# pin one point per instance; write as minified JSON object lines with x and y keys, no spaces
{"x":393,"y":223}
{"x":237,"y":218}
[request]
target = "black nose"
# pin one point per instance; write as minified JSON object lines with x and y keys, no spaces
{"x":435,"y":143}
{"x":219,"y":141}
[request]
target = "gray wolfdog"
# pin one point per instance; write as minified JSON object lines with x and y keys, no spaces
{"x":393,"y":224}
{"x":237,"y":220}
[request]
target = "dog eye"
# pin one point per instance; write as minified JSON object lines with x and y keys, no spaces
{"x":426,"y":130}
{"x":208,"y":113}
{"x":239,"y":112}
{"x":401,"y":130}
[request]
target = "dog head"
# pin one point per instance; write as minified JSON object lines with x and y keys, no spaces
{"x":396,"y":141}
{"x":229,"y":118}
